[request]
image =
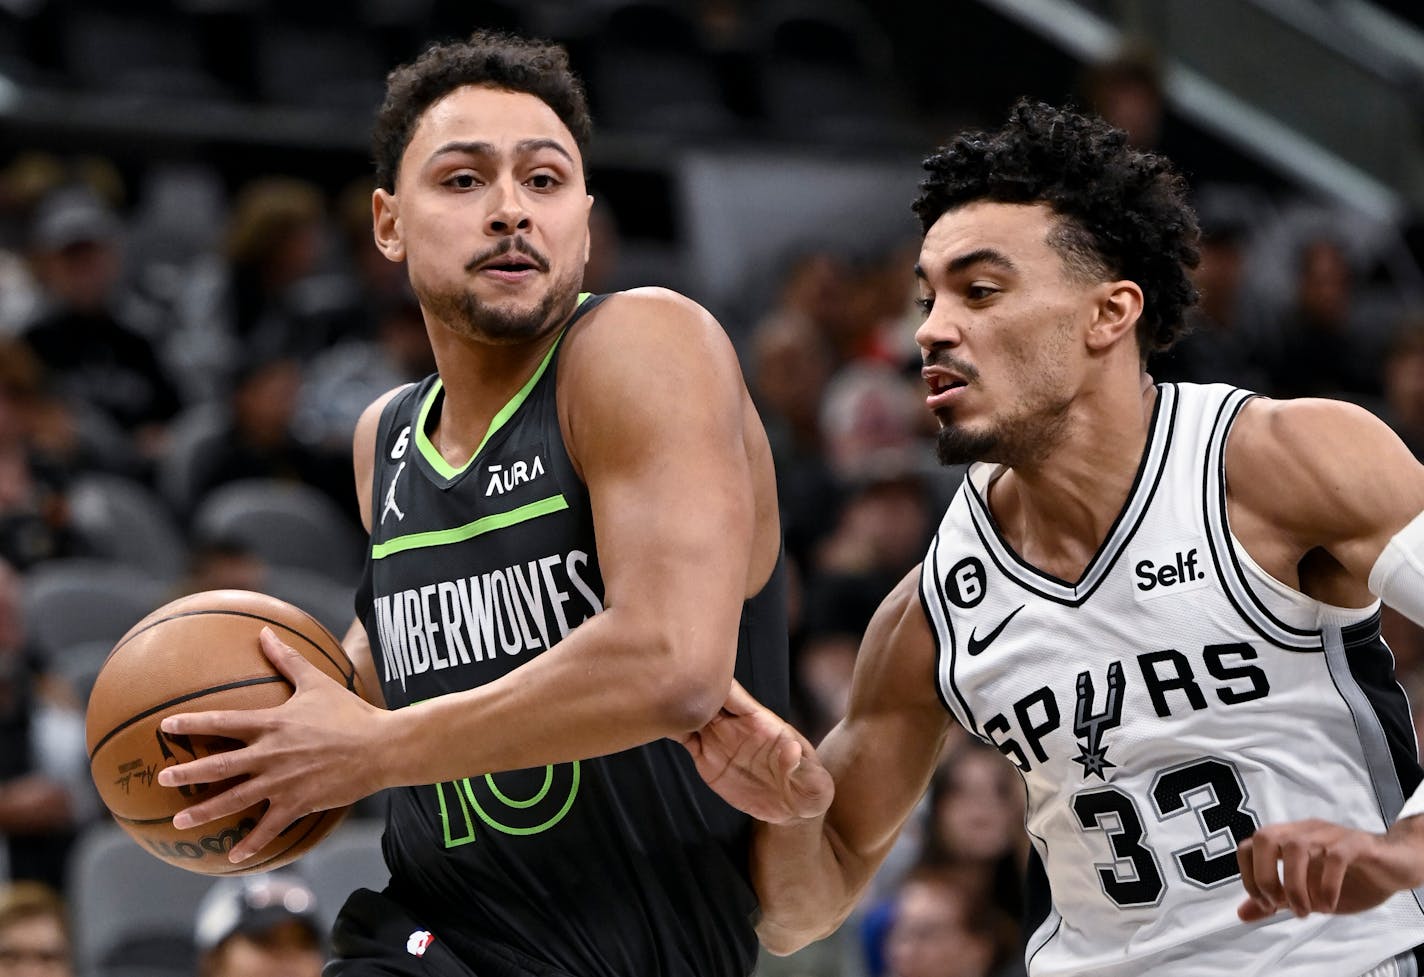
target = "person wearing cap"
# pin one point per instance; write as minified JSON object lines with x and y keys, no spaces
{"x":94,"y":355}
{"x":259,"y":926}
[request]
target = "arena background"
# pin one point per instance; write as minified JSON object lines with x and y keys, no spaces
{"x":191,"y":314}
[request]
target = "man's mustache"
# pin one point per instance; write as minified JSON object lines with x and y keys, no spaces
{"x":516,"y":244}
{"x":942,"y":357}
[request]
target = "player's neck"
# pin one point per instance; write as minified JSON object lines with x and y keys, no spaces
{"x":479,"y":379}
{"x":1057,"y":513}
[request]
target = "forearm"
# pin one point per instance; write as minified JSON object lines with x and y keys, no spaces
{"x":609,"y":686}
{"x":805,"y":882}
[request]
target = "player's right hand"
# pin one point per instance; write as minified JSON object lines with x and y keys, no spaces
{"x":759,"y":763}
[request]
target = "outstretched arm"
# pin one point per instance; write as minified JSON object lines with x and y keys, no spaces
{"x":812,"y":856}
{"x":1326,"y":497}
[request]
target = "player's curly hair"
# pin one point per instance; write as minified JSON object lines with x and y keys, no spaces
{"x":1123,"y":213}
{"x":487,"y":58}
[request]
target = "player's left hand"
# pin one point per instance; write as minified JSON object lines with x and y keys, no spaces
{"x":757,"y":762}
{"x":1319,"y":867}
{"x":300,"y":756}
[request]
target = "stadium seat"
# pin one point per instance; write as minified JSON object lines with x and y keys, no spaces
{"x":68,"y":603}
{"x":131,"y":911}
{"x":330,"y":602}
{"x":121,"y":520}
{"x":285,"y":523}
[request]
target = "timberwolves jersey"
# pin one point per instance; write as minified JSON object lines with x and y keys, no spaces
{"x":1161,"y":709}
{"x":617,"y":865}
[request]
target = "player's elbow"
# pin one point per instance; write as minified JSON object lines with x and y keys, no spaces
{"x":690,"y":696}
{"x":691,"y":682}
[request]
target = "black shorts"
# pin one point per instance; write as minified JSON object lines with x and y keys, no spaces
{"x":375,"y":936}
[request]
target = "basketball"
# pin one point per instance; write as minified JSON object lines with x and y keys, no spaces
{"x":195,"y":654}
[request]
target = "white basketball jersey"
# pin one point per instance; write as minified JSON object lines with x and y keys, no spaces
{"x":1161,"y":709}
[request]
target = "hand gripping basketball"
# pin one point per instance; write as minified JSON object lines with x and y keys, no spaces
{"x":200,"y":651}
{"x":301,"y":756}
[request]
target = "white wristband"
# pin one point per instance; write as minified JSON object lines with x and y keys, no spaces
{"x":1415,"y":805}
{"x":1397,"y":577}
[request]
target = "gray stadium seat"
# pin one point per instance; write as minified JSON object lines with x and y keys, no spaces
{"x":122,"y":521}
{"x":72,"y":602}
{"x":129,"y":909}
{"x":285,"y":523}
{"x":330,"y":602}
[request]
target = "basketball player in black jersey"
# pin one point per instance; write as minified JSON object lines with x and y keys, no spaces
{"x":1054,"y":258}
{"x":575,"y":547}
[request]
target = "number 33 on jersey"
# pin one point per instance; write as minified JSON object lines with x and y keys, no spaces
{"x":1162,"y":708}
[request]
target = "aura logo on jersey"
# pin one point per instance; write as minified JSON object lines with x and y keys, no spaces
{"x":513,"y":610}
{"x":506,"y":477}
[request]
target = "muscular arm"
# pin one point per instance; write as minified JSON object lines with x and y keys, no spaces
{"x":651,"y":395}
{"x":1316,"y":488}
{"x":810,"y":874}
{"x":654,"y":402}
{"x":1316,"y":491}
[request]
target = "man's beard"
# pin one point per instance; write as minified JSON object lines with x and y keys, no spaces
{"x":464,"y":313}
{"x":1020,"y":441}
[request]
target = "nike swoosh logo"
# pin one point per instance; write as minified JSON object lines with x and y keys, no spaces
{"x":977,"y":645}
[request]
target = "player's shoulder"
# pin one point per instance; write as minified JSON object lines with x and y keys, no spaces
{"x":633,"y":333}
{"x":370,"y":418}
{"x":651,"y":316}
{"x":1314,"y":464}
{"x":1303,"y":433}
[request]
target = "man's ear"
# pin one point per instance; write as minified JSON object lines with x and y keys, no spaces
{"x":385,"y":224}
{"x":1118,"y":310}
{"x":588,"y":234}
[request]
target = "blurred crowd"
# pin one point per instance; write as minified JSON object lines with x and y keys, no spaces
{"x":167,"y":344}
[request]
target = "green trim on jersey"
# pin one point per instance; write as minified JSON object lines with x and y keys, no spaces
{"x":422,"y":440}
{"x":485,"y":524}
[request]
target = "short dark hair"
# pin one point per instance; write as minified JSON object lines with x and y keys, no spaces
{"x":489,"y":58}
{"x":1123,"y":212}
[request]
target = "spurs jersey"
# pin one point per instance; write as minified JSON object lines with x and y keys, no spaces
{"x":1161,"y":709}
{"x":606,"y":867}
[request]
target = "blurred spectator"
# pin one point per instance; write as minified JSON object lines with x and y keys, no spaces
{"x":880,"y":307}
{"x":34,"y":516}
{"x":813,"y":289}
{"x":1126,"y":90}
{"x":274,"y":246}
{"x":341,"y":382}
{"x":790,"y":366}
{"x":260,"y":442}
{"x":939,"y":928}
{"x":45,"y":792}
{"x":1129,"y":89}
{"x":94,"y":356}
{"x":872,"y":420}
{"x":976,"y":823}
{"x":1404,"y":386}
{"x":222,"y":564}
{"x":259,"y":926}
{"x":34,"y":932}
{"x":1218,"y":349}
{"x":1321,"y":352}
{"x":879,"y":535}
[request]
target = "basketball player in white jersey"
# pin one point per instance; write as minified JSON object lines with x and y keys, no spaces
{"x":1160,"y":602}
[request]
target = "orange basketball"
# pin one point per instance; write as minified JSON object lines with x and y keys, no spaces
{"x":196,"y":654}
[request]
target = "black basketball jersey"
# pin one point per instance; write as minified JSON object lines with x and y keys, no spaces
{"x":617,"y":865}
